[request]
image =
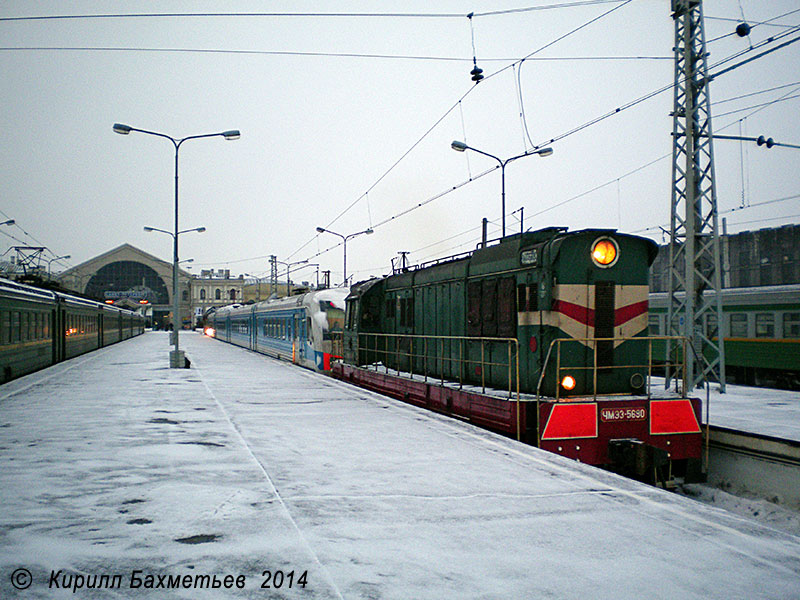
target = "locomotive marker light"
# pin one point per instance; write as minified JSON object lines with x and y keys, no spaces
{"x":344,"y":240}
{"x":605,"y":252}
{"x":176,"y":357}
{"x":568,"y":383}
{"x":461,"y":147}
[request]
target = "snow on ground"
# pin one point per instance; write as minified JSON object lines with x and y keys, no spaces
{"x":112,"y":463}
{"x":763,"y":511}
{"x":759,"y":410}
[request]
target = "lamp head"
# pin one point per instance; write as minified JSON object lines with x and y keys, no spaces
{"x":148,"y":229}
{"x":369,"y":231}
{"x":458,"y":146}
{"x":321,"y":230}
{"x":200,"y":229}
{"x":122,"y":129}
{"x":545,"y":152}
{"x":232,"y":134}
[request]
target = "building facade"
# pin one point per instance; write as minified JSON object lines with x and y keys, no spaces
{"x":129,"y":276}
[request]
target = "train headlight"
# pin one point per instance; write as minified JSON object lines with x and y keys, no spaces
{"x":568,"y":383}
{"x":605,"y":252}
{"x":210,"y":331}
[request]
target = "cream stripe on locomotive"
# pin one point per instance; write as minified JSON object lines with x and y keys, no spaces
{"x":574,"y":311}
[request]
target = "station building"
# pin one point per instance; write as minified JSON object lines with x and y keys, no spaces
{"x":128,"y":276}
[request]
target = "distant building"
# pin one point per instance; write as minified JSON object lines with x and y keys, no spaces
{"x":129,"y":276}
{"x":750,"y":258}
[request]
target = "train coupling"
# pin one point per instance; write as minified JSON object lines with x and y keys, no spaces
{"x":635,"y":459}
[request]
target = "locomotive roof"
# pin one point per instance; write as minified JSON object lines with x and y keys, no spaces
{"x":500,"y":250}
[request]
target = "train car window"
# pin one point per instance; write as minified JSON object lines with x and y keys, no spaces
{"x":15,"y":333}
{"x":24,"y":327}
{"x":791,"y":325}
{"x":765,"y":325}
{"x":5,"y":327}
{"x":738,"y":325}
{"x":653,"y":325}
{"x":522,"y":298}
{"x":711,"y":326}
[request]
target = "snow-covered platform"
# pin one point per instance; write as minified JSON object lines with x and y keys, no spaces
{"x":774,"y":413}
{"x":161,"y":483}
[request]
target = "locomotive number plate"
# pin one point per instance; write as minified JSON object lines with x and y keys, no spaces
{"x":608,"y":415}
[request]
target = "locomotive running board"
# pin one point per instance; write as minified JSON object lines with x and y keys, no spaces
{"x":503,"y":415}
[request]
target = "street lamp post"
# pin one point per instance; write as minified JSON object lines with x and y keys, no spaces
{"x":176,"y":357}
{"x":461,"y":147}
{"x":344,"y":241}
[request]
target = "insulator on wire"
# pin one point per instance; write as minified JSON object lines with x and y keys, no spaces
{"x":743,"y":30}
{"x":762,"y":141}
{"x":477,"y":73}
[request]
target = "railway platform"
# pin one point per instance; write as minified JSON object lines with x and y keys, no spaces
{"x":768,"y":412}
{"x":245,"y":477}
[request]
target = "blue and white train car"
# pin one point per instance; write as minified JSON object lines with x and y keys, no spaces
{"x":305,"y":329}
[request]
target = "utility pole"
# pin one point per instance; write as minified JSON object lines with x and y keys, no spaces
{"x":694,"y":250}
{"x":273,"y":275}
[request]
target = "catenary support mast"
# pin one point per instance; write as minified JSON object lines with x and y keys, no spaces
{"x":695,"y":301}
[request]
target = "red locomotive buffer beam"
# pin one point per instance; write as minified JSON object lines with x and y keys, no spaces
{"x":586,"y":430}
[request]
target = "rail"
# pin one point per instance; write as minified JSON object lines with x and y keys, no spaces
{"x":594,"y":344}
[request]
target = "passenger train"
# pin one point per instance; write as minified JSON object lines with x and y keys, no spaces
{"x":762,"y":333}
{"x":305,"y":329}
{"x":39,"y":328}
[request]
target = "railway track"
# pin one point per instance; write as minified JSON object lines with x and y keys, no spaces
{"x":750,"y":463}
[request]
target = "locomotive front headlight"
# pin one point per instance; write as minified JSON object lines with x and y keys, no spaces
{"x":568,"y":383}
{"x":605,"y":252}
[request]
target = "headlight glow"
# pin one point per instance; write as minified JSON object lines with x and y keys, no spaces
{"x":605,"y":252}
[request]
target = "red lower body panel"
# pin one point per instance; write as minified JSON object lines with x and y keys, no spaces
{"x":578,"y":429}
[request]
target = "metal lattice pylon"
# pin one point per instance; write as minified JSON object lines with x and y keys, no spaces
{"x":695,"y":301}
{"x":273,"y":275}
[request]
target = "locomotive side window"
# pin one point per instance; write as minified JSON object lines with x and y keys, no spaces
{"x":739,"y":325}
{"x":765,"y":325}
{"x":791,"y":325}
{"x":522,"y":298}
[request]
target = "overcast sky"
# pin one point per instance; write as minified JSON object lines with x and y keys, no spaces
{"x":338,"y":133}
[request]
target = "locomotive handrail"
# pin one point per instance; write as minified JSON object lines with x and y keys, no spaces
{"x":439,"y":358}
{"x":594,"y":367}
{"x":592,"y":342}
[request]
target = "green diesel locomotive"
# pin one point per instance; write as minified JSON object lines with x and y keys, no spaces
{"x":553,"y":312}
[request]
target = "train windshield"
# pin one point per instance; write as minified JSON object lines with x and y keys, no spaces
{"x":334,"y":318}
